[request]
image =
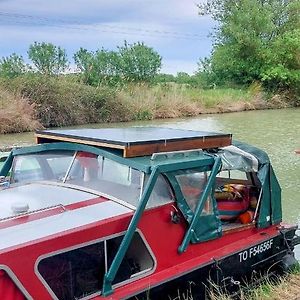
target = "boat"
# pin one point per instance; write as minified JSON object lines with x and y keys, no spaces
{"x":138,"y":213}
{"x":3,"y":156}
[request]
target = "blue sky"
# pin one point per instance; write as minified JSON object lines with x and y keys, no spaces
{"x":173,"y":27}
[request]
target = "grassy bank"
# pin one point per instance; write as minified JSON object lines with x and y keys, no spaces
{"x":286,"y":287}
{"x":31,"y":101}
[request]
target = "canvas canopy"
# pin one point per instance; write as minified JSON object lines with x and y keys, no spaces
{"x":234,"y":158}
{"x":246,"y":158}
{"x":270,"y":211}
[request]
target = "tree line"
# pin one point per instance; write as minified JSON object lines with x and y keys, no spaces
{"x":131,"y":63}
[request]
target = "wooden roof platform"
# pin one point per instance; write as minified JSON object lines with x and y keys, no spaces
{"x":138,"y":141}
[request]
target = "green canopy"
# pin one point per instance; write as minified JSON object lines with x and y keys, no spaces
{"x":270,"y":211}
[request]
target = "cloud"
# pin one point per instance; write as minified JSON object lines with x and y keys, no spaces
{"x":173,"y":28}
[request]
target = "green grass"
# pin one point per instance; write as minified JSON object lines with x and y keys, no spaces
{"x":220,"y":96}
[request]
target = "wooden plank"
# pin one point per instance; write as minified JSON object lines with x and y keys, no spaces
{"x":40,"y":138}
{"x":236,"y":227}
{"x":203,"y":143}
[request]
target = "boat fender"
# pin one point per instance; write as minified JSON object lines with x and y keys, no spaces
{"x":289,"y":262}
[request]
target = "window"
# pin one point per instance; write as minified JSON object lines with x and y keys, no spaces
{"x":79,"y":273}
{"x":50,"y":165}
{"x":233,"y":174}
{"x":161,"y":193}
{"x":106,"y":176}
{"x":26,"y":169}
{"x":192,"y":184}
{"x":136,"y":262}
{"x":74,"y":274}
{"x":90,"y":171}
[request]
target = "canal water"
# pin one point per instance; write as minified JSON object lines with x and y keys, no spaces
{"x":275,"y":131}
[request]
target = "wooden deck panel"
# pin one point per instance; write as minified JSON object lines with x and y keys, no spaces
{"x":173,"y":140}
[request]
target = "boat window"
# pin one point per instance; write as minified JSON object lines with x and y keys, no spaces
{"x":161,"y":193}
{"x":236,"y":193}
{"x":233,"y":174}
{"x":79,"y":273}
{"x":192,"y":184}
{"x":106,"y":176}
{"x":137,"y":260}
{"x":76,"y":273}
{"x":26,"y":169}
{"x":50,"y":165}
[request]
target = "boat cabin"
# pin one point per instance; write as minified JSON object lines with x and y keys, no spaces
{"x":136,"y":213}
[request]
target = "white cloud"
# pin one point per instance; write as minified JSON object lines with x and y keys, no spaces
{"x":173,"y":27}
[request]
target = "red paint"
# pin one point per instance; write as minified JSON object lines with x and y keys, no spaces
{"x":163,"y":237}
{"x":8,"y":290}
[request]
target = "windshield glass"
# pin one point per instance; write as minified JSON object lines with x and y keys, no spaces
{"x":104,"y":175}
{"x":40,"y":166}
{"x":89,"y":171}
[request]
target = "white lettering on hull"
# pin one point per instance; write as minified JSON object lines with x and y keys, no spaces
{"x":253,"y":251}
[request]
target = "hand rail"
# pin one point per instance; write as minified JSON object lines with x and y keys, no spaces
{"x":33,"y":211}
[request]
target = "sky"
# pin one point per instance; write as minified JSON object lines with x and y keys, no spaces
{"x":172,"y":27}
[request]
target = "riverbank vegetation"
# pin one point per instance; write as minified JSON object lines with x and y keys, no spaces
{"x":30,"y":102}
{"x":254,"y":64}
{"x":286,"y":287}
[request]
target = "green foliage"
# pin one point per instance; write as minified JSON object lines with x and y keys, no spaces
{"x":182,"y":78}
{"x":47,"y":58}
{"x":59,"y":101}
{"x":12,"y":66}
{"x":282,"y":70}
{"x":100,"y":67}
{"x":131,"y":63}
{"x":257,"y":40}
{"x":84,"y":61}
{"x":164,"y":78}
{"x":139,"y":62}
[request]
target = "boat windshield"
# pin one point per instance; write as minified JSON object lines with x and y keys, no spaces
{"x":89,"y":171}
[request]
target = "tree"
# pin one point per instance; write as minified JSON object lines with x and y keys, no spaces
{"x":12,"y":66}
{"x":256,"y":40}
{"x":100,"y":67}
{"x":134,"y":63}
{"x":107,"y":65}
{"x":84,"y":62}
{"x":139,"y":62}
{"x":47,"y":58}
